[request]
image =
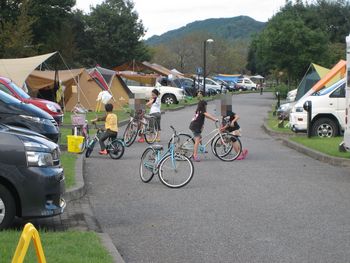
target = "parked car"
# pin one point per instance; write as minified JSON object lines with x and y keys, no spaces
{"x":17,"y":113}
{"x":246,"y":84}
{"x":211,"y":84}
{"x":187,"y":85}
{"x":228,"y":87}
{"x":169,"y":95}
{"x":291,"y":95}
{"x":328,"y":112}
{"x":31,"y":176}
{"x":52,"y":108}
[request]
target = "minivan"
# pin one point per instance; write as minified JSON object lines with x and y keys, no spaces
{"x":32,"y":180}
{"x":17,"y":113}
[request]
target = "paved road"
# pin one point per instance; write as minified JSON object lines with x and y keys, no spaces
{"x":275,"y":206}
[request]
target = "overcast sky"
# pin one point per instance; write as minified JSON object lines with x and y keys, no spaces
{"x":160,"y":16}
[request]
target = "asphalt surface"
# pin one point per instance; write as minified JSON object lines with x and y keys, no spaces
{"x":275,"y":206}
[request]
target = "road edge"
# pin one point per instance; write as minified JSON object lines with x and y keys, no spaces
{"x":284,"y":138}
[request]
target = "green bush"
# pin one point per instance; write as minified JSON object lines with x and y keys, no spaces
{"x":283,"y":89}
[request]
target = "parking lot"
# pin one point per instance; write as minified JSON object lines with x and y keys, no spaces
{"x":275,"y":206}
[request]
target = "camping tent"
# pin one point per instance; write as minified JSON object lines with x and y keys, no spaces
{"x":313,"y":74}
{"x":19,"y":69}
{"x":334,"y":75}
{"x":80,"y":87}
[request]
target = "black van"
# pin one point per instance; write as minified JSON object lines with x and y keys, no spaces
{"x":31,"y":176}
{"x":16,"y":113}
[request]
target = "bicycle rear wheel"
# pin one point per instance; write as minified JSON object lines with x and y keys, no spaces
{"x":184,"y":144}
{"x":175,"y":172}
{"x":151,"y":131}
{"x":116,"y":149}
{"x":130,"y":133}
{"x":147,"y":164}
{"x":228,"y":148}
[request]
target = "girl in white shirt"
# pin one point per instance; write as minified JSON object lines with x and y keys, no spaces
{"x":155,"y":103}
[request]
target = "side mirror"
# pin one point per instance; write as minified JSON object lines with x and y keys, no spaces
{"x":307,"y":105}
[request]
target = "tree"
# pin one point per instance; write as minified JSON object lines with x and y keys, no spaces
{"x":16,"y":36}
{"x":115,"y":32}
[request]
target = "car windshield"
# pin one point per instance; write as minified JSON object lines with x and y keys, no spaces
{"x":8,"y":99}
{"x":19,"y":91}
{"x":329,"y":89}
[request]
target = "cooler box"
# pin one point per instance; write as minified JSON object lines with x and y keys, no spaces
{"x":75,"y":143}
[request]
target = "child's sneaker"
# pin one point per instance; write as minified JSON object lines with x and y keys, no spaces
{"x":245,"y":153}
{"x":241,"y":157}
{"x":104,"y":152}
{"x":141,"y":140}
{"x":196,"y":158}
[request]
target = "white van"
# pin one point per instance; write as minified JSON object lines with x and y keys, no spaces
{"x":245,"y":83}
{"x":328,"y":112}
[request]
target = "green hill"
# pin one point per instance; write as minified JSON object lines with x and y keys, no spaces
{"x":235,"y":28}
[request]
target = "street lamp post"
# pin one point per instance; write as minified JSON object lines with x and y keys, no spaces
{"x":205,"y":63}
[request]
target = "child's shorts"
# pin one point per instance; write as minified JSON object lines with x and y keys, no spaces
{"x":197,"y":134}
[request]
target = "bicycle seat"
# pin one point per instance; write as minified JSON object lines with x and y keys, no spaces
{"x":158,"y":147}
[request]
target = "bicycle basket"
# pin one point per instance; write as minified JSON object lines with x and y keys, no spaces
{"x":78,"y":119}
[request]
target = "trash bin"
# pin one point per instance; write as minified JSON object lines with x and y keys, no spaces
{"x":75,"y":143}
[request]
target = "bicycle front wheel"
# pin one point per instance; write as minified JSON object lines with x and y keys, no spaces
{"x":90,"y":148}
{"x":150,"y":130}
{"x":116,"y":149}
{"x":130,"y":133}
{"x":228,"y":147}
{"x":147,"y":165}
{"x":175,"y":171}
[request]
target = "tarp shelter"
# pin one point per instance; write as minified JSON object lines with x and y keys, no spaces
{"x":145,"y":79}
{"x":333,"y":76}
{"x":19,"y":69}
{"x":79,"y":82}
{"x":313,"y":74}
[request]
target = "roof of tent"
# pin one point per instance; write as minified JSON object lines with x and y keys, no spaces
{"x":18,"y":69}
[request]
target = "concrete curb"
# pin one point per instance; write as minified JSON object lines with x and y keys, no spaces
{"x":79,"y":190}
{"x":108,"y":244}
{"x":335,"y":161}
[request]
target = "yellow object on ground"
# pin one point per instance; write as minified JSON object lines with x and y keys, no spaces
{"x":75,"y":143}
{"x":29,"y":233}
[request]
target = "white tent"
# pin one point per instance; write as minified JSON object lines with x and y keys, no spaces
{"x":18,"y":69}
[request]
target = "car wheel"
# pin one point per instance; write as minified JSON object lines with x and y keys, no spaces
{"x":7,"y":207}
{"x":169,"y":99}
{"x":325,"y":128}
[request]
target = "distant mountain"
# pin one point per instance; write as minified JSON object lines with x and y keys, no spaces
{"x":235,"y":28}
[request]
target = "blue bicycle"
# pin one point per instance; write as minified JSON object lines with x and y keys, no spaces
{"x":174,"y":169}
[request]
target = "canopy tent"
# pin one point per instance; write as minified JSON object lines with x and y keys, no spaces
{"x":80,"y":87}
{"x":134,"y":66}
{"x":226,"y":77}
{"x":259,"y":77}
{"x":313,"y":74}
{"x":18,"y":69}
{"x":333,"y":76}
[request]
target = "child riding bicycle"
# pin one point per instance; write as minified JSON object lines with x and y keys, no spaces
{"x":111,"y":127}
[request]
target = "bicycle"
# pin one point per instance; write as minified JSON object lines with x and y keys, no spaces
{"x":226,"y":146}
{"x":115,"y":147}
{"x":174,"y":169}
{"x":141,"y":123}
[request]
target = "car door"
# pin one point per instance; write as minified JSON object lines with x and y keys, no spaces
{"x":337,"y":103}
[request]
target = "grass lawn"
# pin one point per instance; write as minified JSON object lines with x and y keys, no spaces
{"x":328,"y":146}
{"x":272,"y":122}
{"x":68,"y":161}
{"x":59,"y":247}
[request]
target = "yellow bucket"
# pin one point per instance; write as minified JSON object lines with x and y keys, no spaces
{"x":75,"y":143}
